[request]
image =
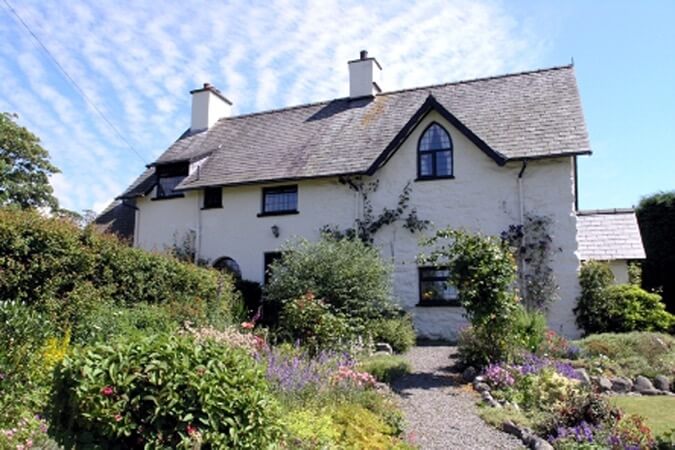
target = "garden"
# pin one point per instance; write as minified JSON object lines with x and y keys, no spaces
{"x":613,"y":389}
{"x":105,"y":346}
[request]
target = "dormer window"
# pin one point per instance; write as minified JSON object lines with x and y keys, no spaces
{"x":434,"y":154}
{"x":168,"y":177}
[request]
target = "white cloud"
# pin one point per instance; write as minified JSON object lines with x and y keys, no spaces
{"x":137,"y":62}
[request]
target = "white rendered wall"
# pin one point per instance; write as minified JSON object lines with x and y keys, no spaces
{"x":482,"y":197}
{"x":619,"y":268}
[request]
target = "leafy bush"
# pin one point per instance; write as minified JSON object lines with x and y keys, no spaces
{"x":385,"y":368}
{"x":347,"y":275}
{"x":311,"y":322}
{"x":163,"y":391}
{"x":529,"y":328}
{"x":603,"y":307}
{"x":66,"y":272}
{"x":634,"y":309}
{"x":310,"y":429}
{"x":592,"y":307}
{"x":397,"y":332}
{"x":484,"y":271}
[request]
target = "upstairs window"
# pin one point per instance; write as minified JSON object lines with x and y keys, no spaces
{"x":434,"y":153}
{"x":168,"y":177}
{"x":279,"y":200}
{"x":213,"y":198}
{"x":435,"y":290}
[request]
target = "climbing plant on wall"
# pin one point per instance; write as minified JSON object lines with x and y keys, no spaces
{"x":533,"y":248}
{"x":370,"y":223}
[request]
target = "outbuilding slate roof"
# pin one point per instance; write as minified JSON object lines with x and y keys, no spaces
{"x":528,"y":115}
{"x":606,"y":235}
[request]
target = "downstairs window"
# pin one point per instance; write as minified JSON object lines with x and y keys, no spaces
{"x":435,"y":289}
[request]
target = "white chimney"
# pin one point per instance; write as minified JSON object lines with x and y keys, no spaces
{"x":208,"y":105}
{"x":365,"y":76}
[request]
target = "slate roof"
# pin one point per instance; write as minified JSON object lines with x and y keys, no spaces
{"x":527,"y":115}
{"x":609,"y":234}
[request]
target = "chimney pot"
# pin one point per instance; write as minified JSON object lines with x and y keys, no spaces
{"x":207,"y":86}
{"x":364,"y":54}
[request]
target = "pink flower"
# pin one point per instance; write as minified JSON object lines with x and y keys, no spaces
{"x":247,"y":325}
{"x":107,"y":391}
{"x":191,"y":429}
{"x":29,"y":443}
{"x":118,"y":417}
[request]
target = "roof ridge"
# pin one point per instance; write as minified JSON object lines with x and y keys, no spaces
{"x":590,"y":212}
{"x":450,"y":83}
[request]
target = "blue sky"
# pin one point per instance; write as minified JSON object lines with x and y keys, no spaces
{"x":137,"y":62}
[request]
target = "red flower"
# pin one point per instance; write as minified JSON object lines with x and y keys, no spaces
{"x":118,"y":417}
{"x":191,"y":429}
{"x":107,"y":391}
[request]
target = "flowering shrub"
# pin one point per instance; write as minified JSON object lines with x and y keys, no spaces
{"x":554,"y":345}
{"x":29,"y":432}
{"x":230,"y":336}
{"x":631,"y":432}
{"x":498,"y":376}
{"x":348,"y":376}
{"x":163,"y":391}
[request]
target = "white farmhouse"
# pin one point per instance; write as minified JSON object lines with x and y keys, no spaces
{"x":478,"y":154}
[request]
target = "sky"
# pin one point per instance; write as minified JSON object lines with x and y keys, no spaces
{"x":136,"y":62}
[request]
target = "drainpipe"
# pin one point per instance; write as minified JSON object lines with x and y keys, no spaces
{"x":520,"y":192}
{"x":198,"y":238}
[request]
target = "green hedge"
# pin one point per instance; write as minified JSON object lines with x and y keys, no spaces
{"x":163,"y":391}
{"x":53,"y":266}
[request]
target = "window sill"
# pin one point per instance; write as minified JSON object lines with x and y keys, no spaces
{"x":436,"y":303}
{"x":167,"y":197}
{"x":204,"y":208}
{"x":278,"y":213}
{"x":446,"y":177}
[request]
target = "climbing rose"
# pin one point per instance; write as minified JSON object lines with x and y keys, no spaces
{"x":107,"y":391}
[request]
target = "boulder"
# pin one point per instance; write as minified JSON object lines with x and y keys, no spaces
{"x":662,"y":382}
{"x":481,"y":387}
{"x":583,"y":376}
{"x":604,"y":384}
{"x":479,"y":379}
{"x":540,"y":444}
{"x":644,"y":386}
{"x":621,"y":384}
{"x":383,"y":347}
{"x":487,"y":399}
{"x":469,"y":374}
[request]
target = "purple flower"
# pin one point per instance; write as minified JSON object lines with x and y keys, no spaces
{"x":499,"y":376}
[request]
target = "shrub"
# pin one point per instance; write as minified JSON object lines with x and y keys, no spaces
{"x":634,"y":309}
{"x":484,"y":271}
{"x":310,"y":429}
{"x":163,"y":391}
{"x":397,"y":332}
{"x":592,"y":307}
{"x":311,"y":322}
{"x":603,"y":307}
{"x":529,"y":328}
{"x":385,"y":368}
{"x":66,"y":272}
{"x":347,"y":275}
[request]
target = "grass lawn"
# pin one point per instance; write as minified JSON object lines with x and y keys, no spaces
{"x":658,"y":411}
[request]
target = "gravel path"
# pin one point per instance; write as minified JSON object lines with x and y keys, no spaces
{"x":442,"y":414}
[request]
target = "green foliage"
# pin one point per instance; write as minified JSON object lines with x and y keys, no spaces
{"x":385,"y":368}
{"x":634,"y":309}
{"x":311,"y":321}
{"x":592,"y":308}
{"x":635,"y":273}
{"x":629,"y":354}
{"x":397,"y":332}
{"x":529,"y":329}
{"x":163,"y":391}
{"x":603,"y":307}
{"x":656,"y":218}
{"x":24,"y":167}
{"x":66,"y":273}
{"x":346,"y":274}
{"x":658,"y":411}
{"x":484,"y":271}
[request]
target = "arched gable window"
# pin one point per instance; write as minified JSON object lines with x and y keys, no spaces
{"x":434,"y":153}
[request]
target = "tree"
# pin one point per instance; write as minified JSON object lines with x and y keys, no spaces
{"x":656,"y":217}
{"x":24,"y":167}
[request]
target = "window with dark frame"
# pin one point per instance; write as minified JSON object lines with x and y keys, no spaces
{"x":213,"y":197}
{"x":270,"y":257}
{"x":435,"y":290}
{"x":168,"y":177}
{"x":434,"y":153}
{"x":279,"y":200}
